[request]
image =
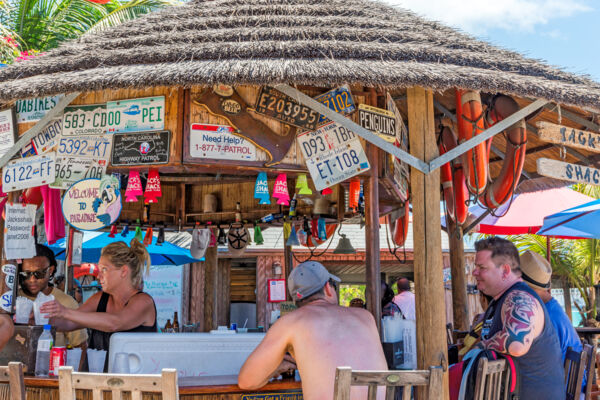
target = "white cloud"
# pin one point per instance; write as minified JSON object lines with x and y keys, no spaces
{"x":478,"y":16}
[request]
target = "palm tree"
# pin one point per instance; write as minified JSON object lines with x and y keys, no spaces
{"x":40,"y":25}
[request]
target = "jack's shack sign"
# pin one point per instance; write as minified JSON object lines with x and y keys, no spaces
{"x":379,"y":121}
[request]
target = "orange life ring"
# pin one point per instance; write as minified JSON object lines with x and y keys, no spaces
{"x":501,"y":189}
{"x":312,"y":241}
{"x":86,"y":269}
{"x":455,"y":189}
{"x":399,"y":226}
{"x":470,"y":120}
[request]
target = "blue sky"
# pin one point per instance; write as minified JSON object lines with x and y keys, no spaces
{"x":564,"y":33}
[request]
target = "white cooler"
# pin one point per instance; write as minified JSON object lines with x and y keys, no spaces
{"x":192,"y":354}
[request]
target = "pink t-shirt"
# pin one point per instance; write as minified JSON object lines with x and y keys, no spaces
{"x":406,"y":302}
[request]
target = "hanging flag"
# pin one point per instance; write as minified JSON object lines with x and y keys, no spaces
{"x":293,"y":239}
{"x":302,"y":184}
{"x":261,"y":188}
{"x":258,"y":237}
{"x":134,"y":186}
{"x":280,"y":191}
{"x":153,"y":190}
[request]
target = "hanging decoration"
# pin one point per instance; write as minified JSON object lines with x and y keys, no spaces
{"x":113,"y":231}
{"x":321,"y":229}
{"x":280,"y":191}
{"x":222,"y":237}
{"x":293,"y":239}
{"x":138,"y":232}
{"x":326,"y":191}
{"x":161,"y":236}
{"x":287,"y":229}
{"x":354,"y":194}
{"x":125,"y":230}
{"x":134,"y":187}
{"x":153,"y":190}
{"x":261,"y":188}
{"x":213,"y":238}
{"x":302,"y":184}
{"x":148,"y":237}
{"x":54,"y":221}
{"x":314,"y":228}
{"x":258,"y":237}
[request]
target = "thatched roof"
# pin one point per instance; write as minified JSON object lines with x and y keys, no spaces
{"x":319,"y":42}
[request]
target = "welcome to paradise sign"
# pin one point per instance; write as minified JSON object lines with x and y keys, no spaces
{"x":92,"y":204}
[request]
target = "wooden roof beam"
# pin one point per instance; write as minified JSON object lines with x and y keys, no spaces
{"x":574,"y":117}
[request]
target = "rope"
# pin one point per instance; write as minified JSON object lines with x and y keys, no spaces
{"x":393,"y":252}
{"x":312,"y":250}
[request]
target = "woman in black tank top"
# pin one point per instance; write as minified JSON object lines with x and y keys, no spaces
{"x":120,"y":307}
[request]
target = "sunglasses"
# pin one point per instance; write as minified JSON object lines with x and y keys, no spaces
{"x":24,"y":275}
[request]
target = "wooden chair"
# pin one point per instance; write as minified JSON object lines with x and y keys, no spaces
{"x":345,"y":377}
{"x":590,"y":369}
{"x":492,"y":380}
{"x":574,"y":370}
{"x":13,"y":374}
{"x":69,"y":381}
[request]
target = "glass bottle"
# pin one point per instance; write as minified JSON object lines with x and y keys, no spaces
{"x":175,"y":323}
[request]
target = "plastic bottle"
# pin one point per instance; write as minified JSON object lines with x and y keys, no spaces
{"x":42,"y":357}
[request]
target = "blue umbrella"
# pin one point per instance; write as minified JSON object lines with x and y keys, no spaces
{"x":580,"y":222}
{"x":94,"y":242}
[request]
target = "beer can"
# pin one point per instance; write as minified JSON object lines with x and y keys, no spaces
{"x":58,"y":358}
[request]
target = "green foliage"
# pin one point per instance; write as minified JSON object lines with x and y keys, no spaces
{"x":41,"y":25}
{"x":349,"y":292}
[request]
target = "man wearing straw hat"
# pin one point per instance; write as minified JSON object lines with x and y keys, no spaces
{"x":320,"y":336}
{"x":6,"y":329}
{"x":516,"y":322}
{"x":537,"y":273}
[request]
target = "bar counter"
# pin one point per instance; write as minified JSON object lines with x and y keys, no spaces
{"x":197,"y":388}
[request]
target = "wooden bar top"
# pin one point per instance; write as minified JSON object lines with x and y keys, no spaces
{"x":193,"y":385}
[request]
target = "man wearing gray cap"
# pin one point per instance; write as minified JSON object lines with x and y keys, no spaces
{"x":320,"y":335}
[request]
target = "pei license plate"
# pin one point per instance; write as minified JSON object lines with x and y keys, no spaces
{"x":69,"y":170}
{"x":28,"y":172}
{"x":272,"y":103}
{"x":84,"y":120}
{"x":333,"y":154}
{"x":339,"y":100}
{"x":97,"y":146}
{"x":136,"y":115}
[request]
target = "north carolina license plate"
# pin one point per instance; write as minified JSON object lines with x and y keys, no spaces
{"x":69,"y":170}
{"x":28,"y":172}
{"x":85,"y":146}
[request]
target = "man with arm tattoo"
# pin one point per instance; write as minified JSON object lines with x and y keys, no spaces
{"x":516,"y":322}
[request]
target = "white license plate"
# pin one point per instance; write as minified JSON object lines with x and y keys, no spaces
{"x":69,"y":170}
{"x":85,"y":146}
{"x":135,"y":115}
{"x":323,"y":140}
{"x":28,"y":172}
{"x":84,"y":120}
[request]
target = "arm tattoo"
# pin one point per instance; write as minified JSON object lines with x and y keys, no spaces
{"x":518,"y":312}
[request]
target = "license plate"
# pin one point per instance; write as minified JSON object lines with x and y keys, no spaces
{"x":277,"y":105}
{"x":28,"y":172}
{"x":84,"y":120}
{"x":85,"y":146}
{"x":136,"y":115}
{"x":332,"y":154}
{"x":69,"y":170}
{"x":379,"y":121}
{"x":339,"y":100}
{"x":45,"y":141}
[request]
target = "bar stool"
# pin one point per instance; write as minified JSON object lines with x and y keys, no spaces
{"x":13,"y":374}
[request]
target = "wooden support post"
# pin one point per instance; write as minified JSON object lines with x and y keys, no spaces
{"x":373,"y":268}
{"x":460,"y":307}
{"x":567,"y":297}
{"x":429,"y":278}
{"x":211,"y":288}
{"x":288,"y":260}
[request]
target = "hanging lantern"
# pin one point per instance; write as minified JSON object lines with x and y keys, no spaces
{"x":161,"y":236}
{"x":302,"y":184}
{"x":148,"y":237}
{"x":280,"y":191}
{"x":354,"y":194}
{"x":134,"y":187}
{"x":153,"y":190}
{"x":113,"y":231}
{"x":258,"y":237}
{"x":293,"y":239}
{"x":261,"y":188}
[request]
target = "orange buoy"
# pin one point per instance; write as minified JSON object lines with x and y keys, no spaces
{"x":86,"y":269}
{"x":470,"y":120}
{"x":455,"y":189}
{"x":502,"y":188}
{"x":399,"y":227}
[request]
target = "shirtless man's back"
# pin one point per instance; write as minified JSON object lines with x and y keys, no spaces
{"x":321,"y":336}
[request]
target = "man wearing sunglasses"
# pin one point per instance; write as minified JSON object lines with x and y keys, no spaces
{"x":319,"y":336}
{"x":34,"y":277}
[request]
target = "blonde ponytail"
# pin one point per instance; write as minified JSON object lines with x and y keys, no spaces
{"x":135,"y":257}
